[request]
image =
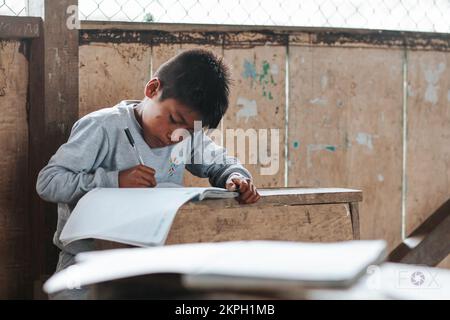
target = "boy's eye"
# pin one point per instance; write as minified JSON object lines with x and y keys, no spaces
{"x":172,"y":120}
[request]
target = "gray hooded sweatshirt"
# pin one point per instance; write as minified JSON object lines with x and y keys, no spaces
{"x":98,"y":149}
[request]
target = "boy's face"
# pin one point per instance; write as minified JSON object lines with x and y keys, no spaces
{"x":161,"y":120}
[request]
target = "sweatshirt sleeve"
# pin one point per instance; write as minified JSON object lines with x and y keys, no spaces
{"x":210,"y":160}
{"x":75,"y":168}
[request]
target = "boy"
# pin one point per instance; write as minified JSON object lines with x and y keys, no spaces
{"x":192,"y":86}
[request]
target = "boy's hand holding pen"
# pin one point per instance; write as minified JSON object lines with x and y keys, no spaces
{"x":139,"y":176}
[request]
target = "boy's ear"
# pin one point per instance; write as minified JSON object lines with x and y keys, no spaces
{"x":152,"y":88}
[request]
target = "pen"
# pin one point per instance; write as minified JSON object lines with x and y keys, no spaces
{"x":131,"y":141}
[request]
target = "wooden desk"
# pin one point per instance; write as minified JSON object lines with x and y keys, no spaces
{"x":290,"y":214}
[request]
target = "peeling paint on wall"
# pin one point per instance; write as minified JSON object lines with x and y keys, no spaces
{"x":410,"y":91}
{"x":323,"y":82}
{"x":318,"y":101}
{"x":265,"y":78}
{"x":248,"y":109}
{"x":432,"y":76}
{"x":365,"y":139}
{"x":317,"y":147}
{"x":249,"y":70}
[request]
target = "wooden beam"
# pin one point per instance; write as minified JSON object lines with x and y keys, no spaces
{"x":20,"y":27}
{"x":53,"y":108}
{"x":429,"y":244}
{"x":143,"y":32}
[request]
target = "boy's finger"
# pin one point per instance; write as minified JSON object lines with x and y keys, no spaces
{"x":147,"y":169}
{"x":231,"y":186}
{"x":255,"y":198}
{"x":246,"y":195}
{"x":243,"y":186}
{"x":148,"y":178}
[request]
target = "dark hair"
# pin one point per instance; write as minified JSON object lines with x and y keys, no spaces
{"x":198,"y":79}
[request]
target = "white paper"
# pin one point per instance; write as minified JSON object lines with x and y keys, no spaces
{"x":135,"y":216}
{"x":322,"y":264}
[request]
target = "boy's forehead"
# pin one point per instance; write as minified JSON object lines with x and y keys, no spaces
{"x":182,"y":108}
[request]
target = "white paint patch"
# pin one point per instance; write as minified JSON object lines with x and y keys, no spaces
{"x":57,"y":57}
{"x":318,"y":101}
{"x":365,"y":139}
{"x":380,"y":177}
{"x":248,"y":109}
{"x":274,"y":69}
{"x":432,"y":77}
{"x":302,"y":60}
{"x":323,"y":82}
{"x":448,"y":96}
{"x":410,"y":91}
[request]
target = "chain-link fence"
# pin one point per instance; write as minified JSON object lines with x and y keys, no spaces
{"x":411,"y":15}
{"x":13,"y":7}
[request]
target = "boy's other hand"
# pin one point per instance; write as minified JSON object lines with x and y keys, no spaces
{"x":247,"y":190}
{"x":137,"y":177}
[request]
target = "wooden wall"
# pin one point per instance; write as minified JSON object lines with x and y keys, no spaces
{"x":347,"y":107}
{"x":345,"y":128}
{"x":15,"y":227}
{"x":428,"y":141}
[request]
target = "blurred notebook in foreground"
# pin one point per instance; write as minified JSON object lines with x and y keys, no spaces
{"x":262,"y":265}
{"x":140,"y":217}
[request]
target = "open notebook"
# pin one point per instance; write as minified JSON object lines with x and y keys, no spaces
{"x":136,"y":216}
{"x":262,"y":265}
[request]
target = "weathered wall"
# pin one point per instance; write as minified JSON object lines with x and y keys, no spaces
{"x":15,"y":264}
{"x":345,"y":128}
{"x":428,"y":141}
{"x":346,"y":108}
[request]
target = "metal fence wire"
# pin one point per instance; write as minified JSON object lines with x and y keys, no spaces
{"x":411,"y":15}
{"x":13,"y":7}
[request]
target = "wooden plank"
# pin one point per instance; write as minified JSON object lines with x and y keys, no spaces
{"x":286,"y":197}
{"x":19,"y":27}
{"x":444,"y":264}
{"x":428,"y":244}
{"x":53,"y":108}
{"x":110,"y":73}
{"x":321,"y":223}
{"x":258,"y":105}
{"x":345,"y":129}
{"x":15,"y":240}
{"x":428,"y":147}
{"x":318,"y":36}
{"x":354,"y":211}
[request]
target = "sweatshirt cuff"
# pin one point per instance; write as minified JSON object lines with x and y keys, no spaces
{"x":220,"y":182}
{"x":111,"y":179}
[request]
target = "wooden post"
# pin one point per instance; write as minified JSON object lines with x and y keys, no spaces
{"x":53,"y":108}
